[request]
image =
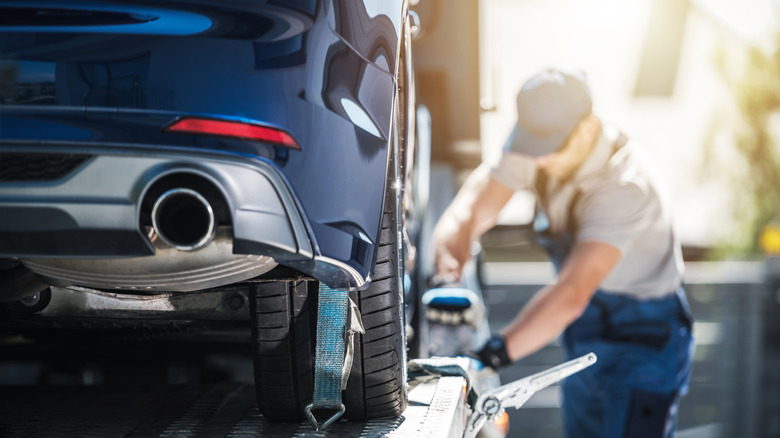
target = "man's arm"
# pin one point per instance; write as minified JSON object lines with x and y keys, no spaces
{"x":556,"y":306}
{"x":473,"y":211}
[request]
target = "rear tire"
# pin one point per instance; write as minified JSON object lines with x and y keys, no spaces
{"x":377,"y":383}
{"x":284,"y":325}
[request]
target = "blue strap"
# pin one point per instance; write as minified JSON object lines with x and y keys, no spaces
{"x":329,"y":359}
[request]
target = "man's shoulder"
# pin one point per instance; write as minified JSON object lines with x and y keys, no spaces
{"x":617,"y":194}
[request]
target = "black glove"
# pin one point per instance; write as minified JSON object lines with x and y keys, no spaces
{"x":493,"y":354}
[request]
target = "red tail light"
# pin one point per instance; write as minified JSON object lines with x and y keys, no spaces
{"x":229,"y":128}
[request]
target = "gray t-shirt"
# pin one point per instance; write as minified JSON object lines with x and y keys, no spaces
{"x":620,"y":203}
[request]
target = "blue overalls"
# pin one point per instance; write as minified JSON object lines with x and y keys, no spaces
{"x":644,"y":351}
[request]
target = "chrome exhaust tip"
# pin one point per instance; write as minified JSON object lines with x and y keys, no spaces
{"x":183,"y":219}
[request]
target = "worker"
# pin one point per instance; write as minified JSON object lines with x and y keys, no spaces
{"x":606,"y":226}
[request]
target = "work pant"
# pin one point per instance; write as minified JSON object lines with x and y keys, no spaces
{"x":644,"y":351}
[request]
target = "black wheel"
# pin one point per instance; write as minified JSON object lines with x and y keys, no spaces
{"x":377,"y":383}
{"x":284,"y":325}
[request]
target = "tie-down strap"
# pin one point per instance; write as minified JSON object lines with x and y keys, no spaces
{"x":338,"y":319}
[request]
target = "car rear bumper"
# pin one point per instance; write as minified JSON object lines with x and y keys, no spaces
{"x":99,"y":204}
{"x":95,"y":208}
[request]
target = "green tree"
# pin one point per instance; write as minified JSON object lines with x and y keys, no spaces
{"x":757,"y":190}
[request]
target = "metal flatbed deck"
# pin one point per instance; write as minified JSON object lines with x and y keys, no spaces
{"x":436,"y":409}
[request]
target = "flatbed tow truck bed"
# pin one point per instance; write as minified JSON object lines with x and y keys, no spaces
{"x":437,"y":408}
{"x":441,"y":404}
{"x":174,"y":379}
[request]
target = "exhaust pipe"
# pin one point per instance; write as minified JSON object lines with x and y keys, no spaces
{"x":184,"y":219}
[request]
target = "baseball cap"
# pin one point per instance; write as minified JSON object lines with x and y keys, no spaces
{"x":549,"y":105}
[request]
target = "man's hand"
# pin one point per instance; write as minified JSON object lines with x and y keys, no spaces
{"x":451,"y":249}
{"x":493,"y":354}
{"x":473,"y":211}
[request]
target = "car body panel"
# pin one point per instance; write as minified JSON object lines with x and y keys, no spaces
{"x":109,"y":91}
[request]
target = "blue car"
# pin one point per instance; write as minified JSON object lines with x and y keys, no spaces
{"x":168,"y":151}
